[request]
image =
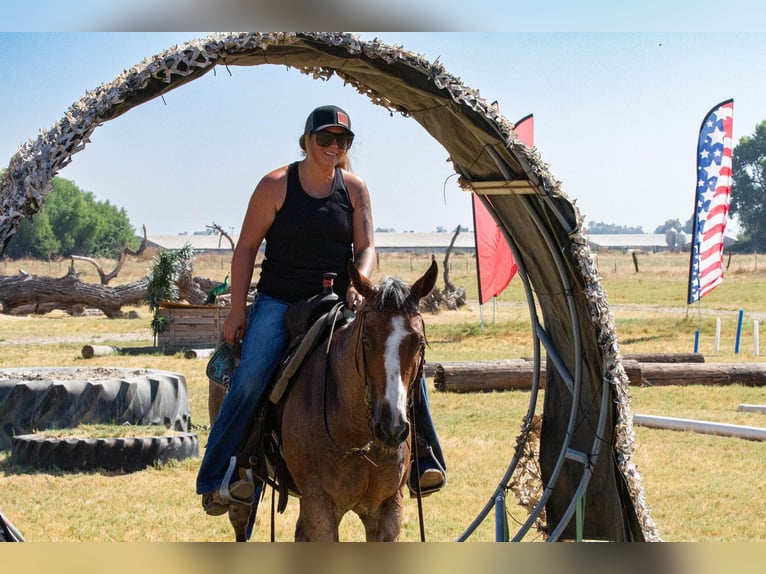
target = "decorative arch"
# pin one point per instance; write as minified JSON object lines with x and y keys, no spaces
{"x":587,"y":435}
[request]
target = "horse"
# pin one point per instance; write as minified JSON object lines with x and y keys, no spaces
{"x":344,"y":426}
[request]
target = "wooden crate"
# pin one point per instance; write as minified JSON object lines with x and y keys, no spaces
{"x":192,"y":325}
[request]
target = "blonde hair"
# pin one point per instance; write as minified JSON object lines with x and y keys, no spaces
{"x":344,"y":163}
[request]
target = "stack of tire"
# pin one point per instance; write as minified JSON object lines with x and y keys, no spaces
{"x":36,"y":399}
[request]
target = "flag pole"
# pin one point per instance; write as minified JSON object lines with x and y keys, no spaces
{"x":478,"y":268}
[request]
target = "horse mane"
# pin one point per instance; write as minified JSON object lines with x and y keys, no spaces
{"x":393,"y":294}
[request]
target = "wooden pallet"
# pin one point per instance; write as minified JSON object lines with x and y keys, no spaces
{"x":190,"y":325}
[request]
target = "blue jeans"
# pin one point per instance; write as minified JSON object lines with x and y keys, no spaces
{"x":265,"y":341}
{"x":424,"y":425}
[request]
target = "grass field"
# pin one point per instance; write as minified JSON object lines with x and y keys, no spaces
{"x":699,"y":487}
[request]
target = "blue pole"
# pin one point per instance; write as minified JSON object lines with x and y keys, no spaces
{"x":696,"y":341}
{"x":739,"y":331}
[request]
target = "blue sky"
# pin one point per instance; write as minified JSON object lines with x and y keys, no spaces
{"x":616,"y":116}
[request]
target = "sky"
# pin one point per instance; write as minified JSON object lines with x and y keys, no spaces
{"x":617,"y":116}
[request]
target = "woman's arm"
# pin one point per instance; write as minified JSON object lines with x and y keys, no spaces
{"x":364,"y":238}
{"x":261,"y":210}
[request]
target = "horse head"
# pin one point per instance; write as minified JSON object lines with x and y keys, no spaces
{"x":392,"y":339}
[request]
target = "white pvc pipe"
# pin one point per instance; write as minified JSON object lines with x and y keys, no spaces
{"x":704,"y":427}
{"x":717,"y":335}
{"x":755,"y":338}
{"x":752,"y":408}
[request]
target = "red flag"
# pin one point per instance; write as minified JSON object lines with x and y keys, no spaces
{"x":495,"y":265}
{"x":711,"y":200}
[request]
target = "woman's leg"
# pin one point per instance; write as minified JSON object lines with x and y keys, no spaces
{"x":264,"y":343}
{"x":424,"y":427}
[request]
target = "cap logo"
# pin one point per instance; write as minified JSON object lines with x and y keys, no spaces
{"x":343,"y":119}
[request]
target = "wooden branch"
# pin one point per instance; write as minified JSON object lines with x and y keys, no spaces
{"x":141,"y":248}
{"x":219,"y":229}
{"x":106,"y":278}
{"x":448,"y":286}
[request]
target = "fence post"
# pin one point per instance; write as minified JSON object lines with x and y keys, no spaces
{"x":739,"y":331}
{"x":717,"y":335}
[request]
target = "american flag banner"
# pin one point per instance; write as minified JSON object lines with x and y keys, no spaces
{"x":711,"y":202}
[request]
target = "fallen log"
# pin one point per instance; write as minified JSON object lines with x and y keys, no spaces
{"x":90,"y":351}
{"x":68,"y":292}
{"x":26,"y":293}
{"x":659,"y":357}
{"x":485,"y":376}
{"x":513,"y":374}
{"x":748,"y":374}
{"x":199,"y":353}
{"x":665,"y":357}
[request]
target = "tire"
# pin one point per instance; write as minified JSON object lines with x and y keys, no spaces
{"x":64,"y":397}
{"x":111,"y":454}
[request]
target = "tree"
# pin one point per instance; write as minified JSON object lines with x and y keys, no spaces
{"x":72,"y":222}
{"x":668,"y":225}
{"x":748,"y":194}
{"x":168,"y":268}
{"x":612,"y":228}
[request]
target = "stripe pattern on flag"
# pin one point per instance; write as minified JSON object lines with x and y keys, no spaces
{"x":712,"y":198}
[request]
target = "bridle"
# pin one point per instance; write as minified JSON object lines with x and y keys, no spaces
{"x":361,"y":369}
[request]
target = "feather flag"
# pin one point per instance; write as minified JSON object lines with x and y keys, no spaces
{"x":495,"y":264}
{"x":711,"y":203}
{"x":494,"y":261}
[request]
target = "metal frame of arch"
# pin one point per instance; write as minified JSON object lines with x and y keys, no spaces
{"x":587,"y":432}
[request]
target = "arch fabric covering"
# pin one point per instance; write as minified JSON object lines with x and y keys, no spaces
{"x":584,"y":373}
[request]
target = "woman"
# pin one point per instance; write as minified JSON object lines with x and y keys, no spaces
{"x":315,"y":215}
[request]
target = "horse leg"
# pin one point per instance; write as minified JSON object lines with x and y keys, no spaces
{"x":385,"y":525}
{"x":239,"y":517}
{"x":317,"y":521}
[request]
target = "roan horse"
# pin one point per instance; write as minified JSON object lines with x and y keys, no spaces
{"x":345,"y":433}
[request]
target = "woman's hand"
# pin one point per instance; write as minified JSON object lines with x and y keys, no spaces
{"x":234,"y":326}
{"x":354,"y":299}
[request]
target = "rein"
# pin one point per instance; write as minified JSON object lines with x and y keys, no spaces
{"x":358,"y":451}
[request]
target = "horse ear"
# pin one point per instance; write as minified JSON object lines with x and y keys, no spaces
{"x":423,"y":286}
{"x":362,"y":284}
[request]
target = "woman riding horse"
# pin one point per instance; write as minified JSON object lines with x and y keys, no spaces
{"x":345,"y":426}
{"x":315,"y":216}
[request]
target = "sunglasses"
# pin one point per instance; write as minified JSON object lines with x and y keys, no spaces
{"x":325,"y":139}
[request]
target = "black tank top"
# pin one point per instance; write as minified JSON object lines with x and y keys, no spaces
{"x":309,"y":237}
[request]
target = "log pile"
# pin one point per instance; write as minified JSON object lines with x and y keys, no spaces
{"x":517,"y":374}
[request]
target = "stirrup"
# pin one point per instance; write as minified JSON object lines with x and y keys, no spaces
{"x":413,"y":482}
{"x":231,"y":497}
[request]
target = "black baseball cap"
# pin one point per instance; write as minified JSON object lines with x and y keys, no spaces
{"x":326,"y":117}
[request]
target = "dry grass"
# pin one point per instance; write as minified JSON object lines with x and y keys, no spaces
{"x":701,"y":488}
